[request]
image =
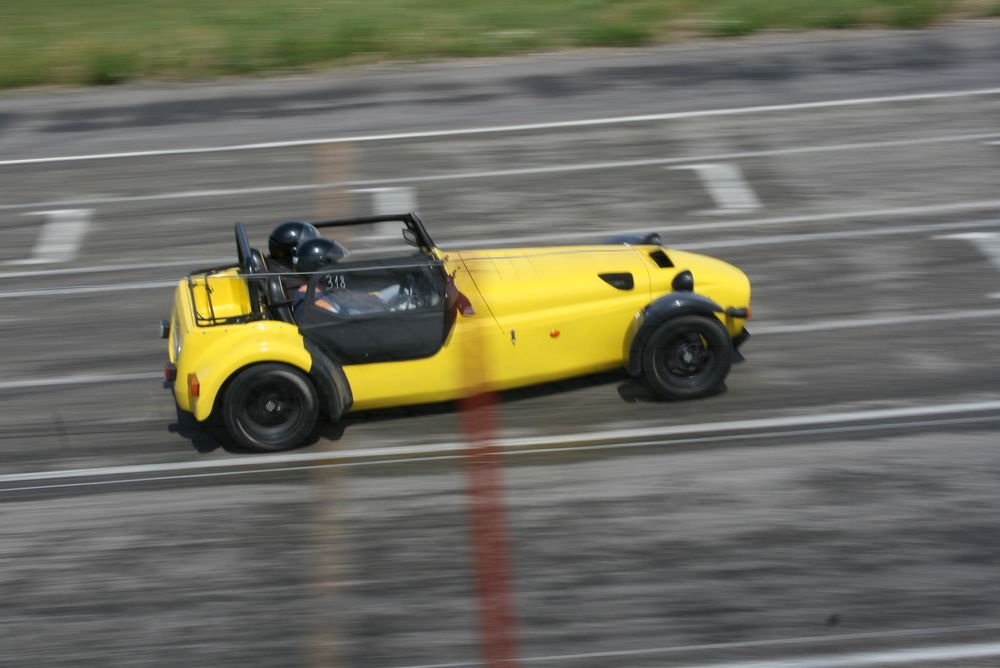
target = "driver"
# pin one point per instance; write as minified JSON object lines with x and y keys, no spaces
{"x":312,"y":256}
{"x":282,"y":245}
{"x":334,"y":290}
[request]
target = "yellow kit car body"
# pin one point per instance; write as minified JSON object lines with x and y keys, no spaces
{"x":455,"y":323}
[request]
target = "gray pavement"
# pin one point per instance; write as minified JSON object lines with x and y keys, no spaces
{"x":863,"y":298}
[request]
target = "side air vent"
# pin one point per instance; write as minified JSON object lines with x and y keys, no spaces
{"x":661,"y":259}
{"x":623,"y":281}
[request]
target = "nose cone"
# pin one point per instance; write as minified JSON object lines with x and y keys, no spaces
{"x":720,"y":281}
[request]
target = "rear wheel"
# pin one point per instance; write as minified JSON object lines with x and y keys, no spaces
{"x":687,"y":356}
{"x":270,"y":407}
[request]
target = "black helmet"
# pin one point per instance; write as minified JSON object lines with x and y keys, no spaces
{"x":285,"y":239}
{"x":318,"y":254}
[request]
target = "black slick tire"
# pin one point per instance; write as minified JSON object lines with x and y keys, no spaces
{"x":686,"y":357}
{"x":270,"y":407}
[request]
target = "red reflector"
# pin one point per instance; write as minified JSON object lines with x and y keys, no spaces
{"x":193,"y":387}
{"x":169,"y":372}
{"x":749,"y":313}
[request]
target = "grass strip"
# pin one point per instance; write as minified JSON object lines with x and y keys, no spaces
{"x":103,"y":42}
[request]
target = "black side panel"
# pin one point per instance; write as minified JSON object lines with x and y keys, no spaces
{"x":377,"y":311}
{"x":376,"y":338}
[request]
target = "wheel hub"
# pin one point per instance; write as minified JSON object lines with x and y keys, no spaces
{"x":270,"y":408}
{"x":688,"y":357}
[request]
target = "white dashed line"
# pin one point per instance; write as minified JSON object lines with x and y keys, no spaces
{"x":81,"y":379}
{"x":85,"y":289}
{"x":577,"y":236}
{"x":60,"y":237}
{"x":725,"y":183}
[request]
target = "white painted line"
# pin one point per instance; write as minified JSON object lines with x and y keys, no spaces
{"x":578,"y":236}
{"x":208,"y":262}
{"x":26,"y":261}
{"x":85,"y":289}
{"x":524,"y":442}
{"x":82,"y":379}
{"x":487,"y":174}
{"x":805,"y":237}
{"x":505,"y":242}
{"x":93,"y":201}
{"x":776,"y":239}
{"x":757,"y":435}
{"x":988,"y":244}
{"x":884,"y":657}
{"x":554,"y":125}
{"x":882,"y":321}
{"x":727,"y":187}
{"x":926,"y":210}
{"x":61,"y":236}
{"x":832,"y":639}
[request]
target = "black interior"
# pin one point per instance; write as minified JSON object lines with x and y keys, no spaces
{"x":382,"y":310}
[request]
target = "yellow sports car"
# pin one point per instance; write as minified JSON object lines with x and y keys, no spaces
{"x":274,"y":342}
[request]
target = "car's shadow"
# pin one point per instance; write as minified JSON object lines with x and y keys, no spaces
{"x":629,"y":390}
{"x":506,"y":397}
{"x":210,"y":436}
{"x":205,"y":436}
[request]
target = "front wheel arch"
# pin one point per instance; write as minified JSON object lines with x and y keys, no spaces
{"x":669,"y":306}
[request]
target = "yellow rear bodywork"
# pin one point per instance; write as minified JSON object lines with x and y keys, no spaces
{"x":214,"y":352}
{"x":548,"y":316}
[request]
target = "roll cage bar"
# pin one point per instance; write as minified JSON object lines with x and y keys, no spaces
{"x":252,"y":267}
{"x":413,"y":223}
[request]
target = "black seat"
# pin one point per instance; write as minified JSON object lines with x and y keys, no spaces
{"x":276,"y":302}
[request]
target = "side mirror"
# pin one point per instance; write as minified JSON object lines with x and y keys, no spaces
{"x":411,"y":238}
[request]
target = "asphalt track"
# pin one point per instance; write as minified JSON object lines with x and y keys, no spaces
{"x":835,"y":507}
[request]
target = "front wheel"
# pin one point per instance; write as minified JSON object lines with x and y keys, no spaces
{"x":270,"y":407}
{"x":686,"y":357}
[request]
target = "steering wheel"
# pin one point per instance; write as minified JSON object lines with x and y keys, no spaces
{"x":409,"y":297}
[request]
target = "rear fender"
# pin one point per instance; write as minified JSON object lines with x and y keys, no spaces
{"x":647,"y":320}
{"x":218,"y":362}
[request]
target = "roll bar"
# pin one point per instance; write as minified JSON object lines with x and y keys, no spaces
{"x":411,"y":220}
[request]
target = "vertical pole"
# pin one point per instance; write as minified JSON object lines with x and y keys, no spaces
{"x":328,"y":647}
{"x":334,"y":167}
{"x":488,"y":526}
